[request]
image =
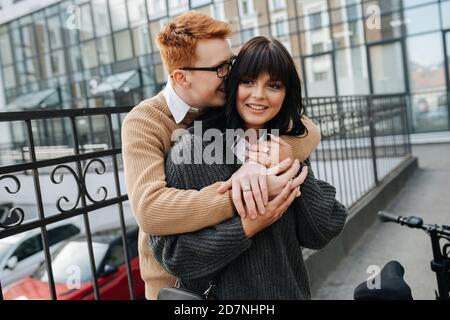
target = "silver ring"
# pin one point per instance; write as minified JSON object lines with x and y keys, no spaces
{"x":246,"y":188}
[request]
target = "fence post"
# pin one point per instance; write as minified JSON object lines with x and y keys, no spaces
{"x":372,"y":137}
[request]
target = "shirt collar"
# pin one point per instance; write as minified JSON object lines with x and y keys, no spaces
{"x":177,"y":106}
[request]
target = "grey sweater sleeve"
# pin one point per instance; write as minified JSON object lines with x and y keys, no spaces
{"x":206,"y":251}
{"x":320,"y":217}
{"x":201,"y":253}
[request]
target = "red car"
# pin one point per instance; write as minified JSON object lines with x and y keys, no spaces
{"x":72,"y":272}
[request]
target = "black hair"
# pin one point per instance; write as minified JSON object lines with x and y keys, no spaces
{"x":258,"y":56}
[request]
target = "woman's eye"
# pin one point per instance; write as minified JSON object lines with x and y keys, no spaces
{"x":274,"y":86}
{"x":246,"y":81}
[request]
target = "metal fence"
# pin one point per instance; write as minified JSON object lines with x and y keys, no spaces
{"x":364,"y":138}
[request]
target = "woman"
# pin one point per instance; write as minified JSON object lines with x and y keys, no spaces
{"x":264,"y":92}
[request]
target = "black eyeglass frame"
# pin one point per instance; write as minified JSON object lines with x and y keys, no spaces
{"x":214,"y":69}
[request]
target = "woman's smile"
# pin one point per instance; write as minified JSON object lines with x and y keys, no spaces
{"x":256,"y":108}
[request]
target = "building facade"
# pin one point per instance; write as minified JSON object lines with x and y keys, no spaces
{"x":77,"y":53}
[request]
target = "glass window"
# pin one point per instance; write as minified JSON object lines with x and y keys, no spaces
{"x":350,"y":13}
{"x":178,"y":6}
{"x":315,"y":20}
{"x":118,"y":11}
{"x":73,"y":253}
{"x":59,"y":234}
{"x":115,"y":256}
{"x":447,"y":41}
{"x":348,"y":34}
{"x":28,"y":248}
{"x":445,"y":9}
{"x":105,"y":50}
{"x":412,"y":3}
{"x":5,"y":48}
{"x":430,"y":111}
{"x":381,"y":6}
{"x":247,"y":34}
{"x":156,"y":8}
{"x":141,"y":40}
{"x":123,"y":45}
{"x":319,"y":76}
{"x":74,"y":59}
{"x":137,"y":12}
{"x":281,"y":28}
{"x":422,"y":19}
{"x":277,"y":4}
{"x":17,"y":45}
{"x":86,"y":28}
{"x":101,"y":19}
{"x":89,"y":54}
{"x":9,"y":77}
{"x":21,"y":74}
{"x":426,"y":62}
{"x":54,"y":29}
{"x":384,"y":27}
{"x":198,"y":3}
{"x":352,"y":74}
{"x":387,"y":68}
{"x":28,"y":41}
{"x":32,"y":69}
{"x":57,"y":62}
{"x":316,"y":41}
{"x":41,"y":36}
{"x":70,"y":17}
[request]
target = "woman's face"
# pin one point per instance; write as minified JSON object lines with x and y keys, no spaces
{"x":259,"y":100}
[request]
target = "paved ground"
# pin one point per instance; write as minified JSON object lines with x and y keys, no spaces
{"x":427,"y":194}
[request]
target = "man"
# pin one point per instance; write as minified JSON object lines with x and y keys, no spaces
{"x":191,"y":41}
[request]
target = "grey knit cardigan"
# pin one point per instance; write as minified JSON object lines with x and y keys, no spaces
{"x":268,"y":266}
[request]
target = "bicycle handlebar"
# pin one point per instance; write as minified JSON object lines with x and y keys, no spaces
{"x":413,"y":222}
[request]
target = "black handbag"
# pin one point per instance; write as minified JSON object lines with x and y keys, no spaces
{"x":177,"y":293}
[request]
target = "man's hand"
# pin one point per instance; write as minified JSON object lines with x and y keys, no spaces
{"x":274,"y":210}
{"x":276,"y":183}
{"x":270,"y":153}
{"x":251,"y":182}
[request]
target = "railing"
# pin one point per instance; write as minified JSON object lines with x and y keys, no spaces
{"x":363,"y":139}
{"x":78,"y":165}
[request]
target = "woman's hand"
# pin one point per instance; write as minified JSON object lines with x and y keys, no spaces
{"x":274,"y":211}
{"x":250,"y":181}
{"x":276,"y":183}
{"x":270,"y":153}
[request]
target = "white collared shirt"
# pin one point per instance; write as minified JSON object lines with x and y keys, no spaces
{"x":241,"y":146}
{"x":177,"y":106}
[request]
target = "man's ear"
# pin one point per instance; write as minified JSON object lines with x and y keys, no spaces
{"x":181,"y":78}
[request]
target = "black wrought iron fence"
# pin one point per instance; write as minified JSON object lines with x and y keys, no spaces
{"x":363,"y":139}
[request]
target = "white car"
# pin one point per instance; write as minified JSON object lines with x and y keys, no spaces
{"x":21,"y":255}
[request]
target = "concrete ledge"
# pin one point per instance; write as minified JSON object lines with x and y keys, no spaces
{"x":361,"y":216}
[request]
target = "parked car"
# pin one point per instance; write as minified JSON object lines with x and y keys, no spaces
{"x":21,"y":254}
{"x":70,"y":265}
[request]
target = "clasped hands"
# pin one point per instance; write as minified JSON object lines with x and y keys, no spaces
{"x":265,"y":185}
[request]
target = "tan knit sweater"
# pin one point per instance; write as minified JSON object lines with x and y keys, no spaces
{"x":159,"y":210}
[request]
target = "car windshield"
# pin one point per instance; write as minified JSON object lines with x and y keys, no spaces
{"x":71,"y":262}
{"x":3,"y":250}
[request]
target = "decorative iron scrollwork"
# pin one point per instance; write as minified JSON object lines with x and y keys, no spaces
{"x":16,"y":212}
{"x":81,"y":183}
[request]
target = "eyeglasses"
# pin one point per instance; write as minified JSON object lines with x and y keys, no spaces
{"x":222,"y":70}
